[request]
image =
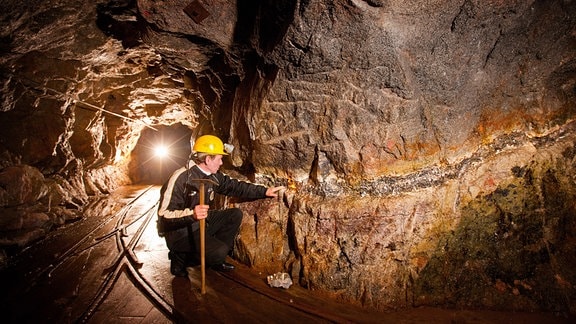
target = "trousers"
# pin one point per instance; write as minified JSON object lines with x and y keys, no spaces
{"x":221,"y":229}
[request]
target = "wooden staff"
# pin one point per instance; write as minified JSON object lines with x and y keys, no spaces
{"x":202,"y":243}
{"x":203,"y":232}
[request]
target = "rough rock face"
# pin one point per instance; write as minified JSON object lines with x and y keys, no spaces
{"x":428,"y":147}
{"x":495,"y":231}
{"x":419,"y":137}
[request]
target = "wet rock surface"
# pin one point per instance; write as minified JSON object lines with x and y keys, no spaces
{"x":428,"y":148}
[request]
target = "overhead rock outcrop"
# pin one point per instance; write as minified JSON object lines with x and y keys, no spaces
{"x":427,"y":147}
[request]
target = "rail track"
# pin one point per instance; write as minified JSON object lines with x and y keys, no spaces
{"x":127,"y":262}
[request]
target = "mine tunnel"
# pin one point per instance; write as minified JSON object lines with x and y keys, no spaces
{"x":426,"y":152}
{"x":158,"y":153}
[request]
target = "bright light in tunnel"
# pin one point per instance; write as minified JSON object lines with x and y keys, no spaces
{"x":161,"y":151}
{"x":158,"y":154}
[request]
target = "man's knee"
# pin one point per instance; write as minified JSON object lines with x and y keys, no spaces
{"x":236,"y":215}
{"x":217,"y":254}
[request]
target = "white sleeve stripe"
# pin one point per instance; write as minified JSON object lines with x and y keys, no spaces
{"x":162,"y":211}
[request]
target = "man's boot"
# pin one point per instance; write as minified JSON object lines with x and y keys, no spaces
{"x":178,"y":264}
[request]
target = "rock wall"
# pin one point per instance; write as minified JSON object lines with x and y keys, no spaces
{"x":390,"y":89}
{"x":428,"y":147}
{"x":74,"y":102}
{"x":495,"y":231}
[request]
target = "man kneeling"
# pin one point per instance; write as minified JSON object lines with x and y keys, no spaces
{"x":180,"y":209}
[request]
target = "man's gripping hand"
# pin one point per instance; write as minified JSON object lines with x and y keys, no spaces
{"x":200,"y":212}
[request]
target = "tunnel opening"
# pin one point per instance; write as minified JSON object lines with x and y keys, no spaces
{"x":158,"y":154}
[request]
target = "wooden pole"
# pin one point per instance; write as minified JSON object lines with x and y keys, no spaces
{"x":202,"y":243}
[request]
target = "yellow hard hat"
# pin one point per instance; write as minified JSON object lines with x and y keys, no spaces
{"x":209,"y":144}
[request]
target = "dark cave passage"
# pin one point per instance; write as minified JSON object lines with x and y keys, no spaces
{"x":147,"y":166}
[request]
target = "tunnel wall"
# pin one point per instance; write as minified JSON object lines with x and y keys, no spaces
{"x":421,"y":143}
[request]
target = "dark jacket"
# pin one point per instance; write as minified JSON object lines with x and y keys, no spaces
{"x":179,"y":195}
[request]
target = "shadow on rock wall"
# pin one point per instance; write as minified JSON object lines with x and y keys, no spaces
{"x":513,"y":249}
